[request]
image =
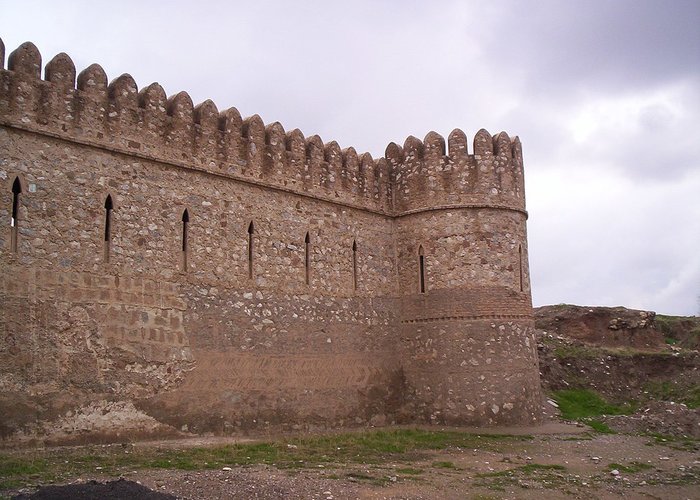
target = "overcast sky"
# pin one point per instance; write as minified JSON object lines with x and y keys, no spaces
{"x":605,"y":96}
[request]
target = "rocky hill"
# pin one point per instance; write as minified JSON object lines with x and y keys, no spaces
{"x":647,"y":362}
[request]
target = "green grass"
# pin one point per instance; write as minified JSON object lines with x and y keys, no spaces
{"x":597,"y":425}
{"x":589,"y":352}
{"x":576,"y":404}
{"x":683,"y":331}
{"x":584,"y":405}
{"x":15,"y":471}
{"x":527,"y":470}
{"x":674,"y":391}
{"x":376,"y":447}
{"x":548,"y":475}
{"x":630,"y":468}
{"x":410,"y":471}
{"x":576,"y":351}
{"x":581,"y":437}
{"x":675,"y":442}
{"x":665,"y":324}
{"x":444,"y":465}
{"x":368,"y":478}
{"x":531,"y":468}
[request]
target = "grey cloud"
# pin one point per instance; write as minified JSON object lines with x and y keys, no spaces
{"x":604,"y":44}
{"x":367,"y":73}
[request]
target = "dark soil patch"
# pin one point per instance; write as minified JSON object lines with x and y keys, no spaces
{"x":92,"y":490}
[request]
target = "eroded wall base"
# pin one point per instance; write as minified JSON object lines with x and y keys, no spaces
{"x":470,"y":357}
{"x":90,"y":358}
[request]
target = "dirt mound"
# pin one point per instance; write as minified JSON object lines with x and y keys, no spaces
{"x":681,"y":331}
{"x":113,"y":490}
{"x":658,"y":417}
{"x":619,"y":374}
{"x":609,"y":326}
{"x":628,"y":357}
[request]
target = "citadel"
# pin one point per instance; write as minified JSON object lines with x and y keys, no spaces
{"x":168,"y":268}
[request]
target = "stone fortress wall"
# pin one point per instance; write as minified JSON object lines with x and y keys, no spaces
{"x":170,"y":268}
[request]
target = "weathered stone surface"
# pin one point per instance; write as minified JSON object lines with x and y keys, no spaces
{"x":204,"y":273}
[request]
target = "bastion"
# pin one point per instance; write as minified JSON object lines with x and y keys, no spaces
{"x":171,"y":269}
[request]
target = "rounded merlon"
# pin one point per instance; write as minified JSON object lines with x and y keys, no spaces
{"x":123,"y":90}
{"x":93,"y":79}
{"x":153,"y":97}
{"x":61,"y":71}
{"x":25,"y":60}
{"x":207,"y":115}
{"x":180,"y":106}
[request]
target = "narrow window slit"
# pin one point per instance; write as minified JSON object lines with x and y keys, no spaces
{"x":421,"y":270}
{"x":14,"y":221}
{"x":185,"y":243}
{"x":251,"y":232}
{"x":520,"y":267}
{"x":354,"y":265}
{"x":307,"y":258}
{"x":109,"y":206}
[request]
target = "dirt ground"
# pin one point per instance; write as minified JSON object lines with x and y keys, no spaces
{"x":560,"y":461}
{"x":673,"y":474}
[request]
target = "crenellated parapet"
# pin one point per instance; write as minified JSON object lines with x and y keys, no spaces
{"x":427,"y":174}
{"x":146,"y":123}
{"x":420,"y":175}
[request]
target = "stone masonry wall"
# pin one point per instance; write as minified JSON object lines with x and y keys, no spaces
{"x":143,"y":304}
{"x":187,"y":271}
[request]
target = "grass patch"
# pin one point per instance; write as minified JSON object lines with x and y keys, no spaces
{"x":665,"y":324}
{"x":688,"y":477}
{"x":360,"y":476}
{"x":683,"y":331}
{"x":584,"y":405}
{"x":527,"y":470}
{"x":410,"y":471}
{"x":532,"y":468}
{"x":598,"y":426}
{"x":18,"y":467}
{"x":576,"y":404}
{"x":582,"y":437}
{"x":677,"y":443}
{"x":547,"y":475}
{"x":630,"y":468}
{"x":367,"y":478}
{"x":588,"y":352}
{"x":309,"y":452}
{"x":673,"y":391}
{"x":16,"y":471}
{"x":575,"y":351}
{"x":444,"y":465}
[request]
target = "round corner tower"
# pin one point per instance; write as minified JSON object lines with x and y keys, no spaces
{"x":467,"y":329}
